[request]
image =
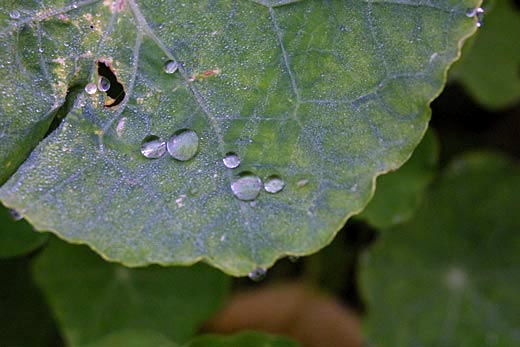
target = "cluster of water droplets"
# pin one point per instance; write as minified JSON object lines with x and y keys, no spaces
{"x":247,"y":186}
{"x":183,"y":145}
{"x":103,"y":85}
{"x":477,"y":13}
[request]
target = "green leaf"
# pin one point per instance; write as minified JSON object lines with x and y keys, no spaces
{"x":92,"y":298}
{"x":17,"y":237}
{"x":324,"y":94}
{"x":399,"y":193}
{"x":450,"y":276}
{"x":490,"y":64}
{"x":25,"y":319}
{"x":245,"y":339}
{"x":133,"y":338}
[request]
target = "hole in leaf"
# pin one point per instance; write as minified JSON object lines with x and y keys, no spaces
{"x":116,"y":91}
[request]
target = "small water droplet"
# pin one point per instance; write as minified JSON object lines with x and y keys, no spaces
{"x":183,"y":145}
{"x":152,"y":147}
{"x":293,"y":258}
{"x":91,"y":88}
{"x":14,"y":14}
{"x":170,"y":66}
{"x":274,"y":184}
{"x":247,"y":186}
{"x":257,"y":274}
{"x":103,"y":84}
{"x":476,"y":12}
{"x":15,"y":214}
{"x":231,"y":160}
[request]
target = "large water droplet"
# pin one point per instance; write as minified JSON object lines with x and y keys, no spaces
{"x":247,"y":186}
{"x":274,"y":184}
{"x":91,"y":88}
{"x":14,"y":14}
{"x":257,"y":274}
{"x":183,"y":145}
{"x":153,"y":147}
{"x":170,"y":66}
{"x":103,"y":84}
{"x":15,"y":214}
{"x":231,"y":160}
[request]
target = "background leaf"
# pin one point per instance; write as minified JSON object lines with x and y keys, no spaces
{"x":92,"y":298}
{"x":133,"y":338}
{"x":449,"y":276}
{"x":399,"y":193}
{"x":25,"y":319}
{"x":325,"y":94}
{"x":245,"y":339}
{"x":17,"y":237}
{"x":489,"y":68}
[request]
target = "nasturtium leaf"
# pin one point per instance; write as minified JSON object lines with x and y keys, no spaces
{"x":92,"y":298}
{"x":450,"y":276}
{"x":133,"y":338}
{"x":490,"y":64}
{"x":399,"y":193}
{"x":325,"y":95}
{"x":17,"y":237}
{"x":245,"y":339}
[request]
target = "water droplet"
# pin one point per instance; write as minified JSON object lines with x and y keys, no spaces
{"x":293,"y":258}
{"x":257,"y":274}
{"x":152,"y":147}
{"x":103,"y":84}
{"x":476,"y":12}
{"x":15,"y":214}
{"x":14,"y":14}
{"x":170,"y":66}
{"x":183,"y":145}
{"x":247,"y":186}
{"x":91,"y":88}
{"x":274,"y":184}
{"x":231,"y":160}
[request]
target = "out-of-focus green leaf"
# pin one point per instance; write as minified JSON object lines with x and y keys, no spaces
{"x":25,"y":319}
{"x":490,"y":64}
{"x":92,"y":298}
{"x":399,"y":193}
{"x":246,"y":339}
{"x":324,"y":94}
{"x":133,"y":338}
{"x":17,"y":237}
{"x":450,"y":276}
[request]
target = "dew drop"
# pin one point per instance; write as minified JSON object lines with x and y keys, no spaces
{"x":91,"y":88}
{"x":103,"y":84}
{"x":170,"y":66}
{"x":293,"y":258}
{"x":247,"y":186}
{"x":152,"y":147}
{"x":183,"y":145}
{"x":257,"y":274}
{"x":14,"y":14}
{"x":15,"y":214}
{"x":476,"y":12}
{"x":274,"y":184}
{"x":231,"y":160}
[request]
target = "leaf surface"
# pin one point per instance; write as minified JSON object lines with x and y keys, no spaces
{"x":323,"y":94}
{"x":92,"y":298}
{"x":450,"y":276}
